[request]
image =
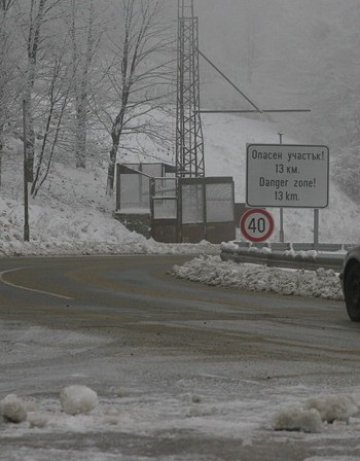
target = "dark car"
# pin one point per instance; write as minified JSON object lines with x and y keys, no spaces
{"x":350,"y":277}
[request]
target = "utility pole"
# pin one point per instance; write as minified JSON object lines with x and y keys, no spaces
{"x":26,"y":194}
{"x":189,"y":133}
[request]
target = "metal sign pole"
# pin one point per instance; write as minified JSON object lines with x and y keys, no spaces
{"x":282,"y":234}
{"x":316,"y":228}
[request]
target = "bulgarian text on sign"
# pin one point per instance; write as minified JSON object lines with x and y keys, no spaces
{"x":284,"y":175}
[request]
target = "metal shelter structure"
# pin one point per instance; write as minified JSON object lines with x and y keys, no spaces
{"x":151,"y":200}
{"x":189,"y":134}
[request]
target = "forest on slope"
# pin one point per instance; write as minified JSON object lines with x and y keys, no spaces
{"x":81,"y":76}
{"x":93,"y":74}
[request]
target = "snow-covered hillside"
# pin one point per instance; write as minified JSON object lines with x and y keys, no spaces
{"x":72,"y":213}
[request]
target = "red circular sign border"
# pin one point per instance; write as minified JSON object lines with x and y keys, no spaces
{"x":249,"y":213}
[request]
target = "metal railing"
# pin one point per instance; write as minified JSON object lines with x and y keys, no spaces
{"x":295,"y":256}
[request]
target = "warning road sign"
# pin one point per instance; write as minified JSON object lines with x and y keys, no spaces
{"x":257,"y":225}
{"x":284,"y":175}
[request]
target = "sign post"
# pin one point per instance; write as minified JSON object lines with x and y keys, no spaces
{"x":316,"y":228}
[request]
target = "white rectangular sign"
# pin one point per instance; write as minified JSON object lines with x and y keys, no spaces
{"x":287,"y":175}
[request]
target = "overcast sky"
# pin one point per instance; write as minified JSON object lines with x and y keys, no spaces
{"x":281,"y":53}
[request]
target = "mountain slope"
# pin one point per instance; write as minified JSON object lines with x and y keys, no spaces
{"x":72,"y":212}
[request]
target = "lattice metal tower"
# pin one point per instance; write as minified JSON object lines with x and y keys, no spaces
{"x":189,"y":134}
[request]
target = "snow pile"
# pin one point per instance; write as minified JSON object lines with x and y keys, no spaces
{"x":74,"y":400}
{"x":334,"y":407}
{"x":314,"y":412}
{"x":37,"y":419}
{"x":13,"y":409}
{"x":211,"y":270}
{"x":52,"y":227}
{"x":296,"y":418}
{"x":77,"y":399}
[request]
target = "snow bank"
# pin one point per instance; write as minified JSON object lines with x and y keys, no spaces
{"x":334,"y":407}
{"x":68,"y":231}
{"x":77,"y":399}
{"x":310,"y":416}
{"x":70,"y":248}
{"x":298,"y":419}
{"x":211,"y":270}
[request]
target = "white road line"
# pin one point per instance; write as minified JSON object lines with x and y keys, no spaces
{"x":34,"y":290}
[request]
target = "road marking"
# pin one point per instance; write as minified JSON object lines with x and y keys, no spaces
{"x":34,"y":290}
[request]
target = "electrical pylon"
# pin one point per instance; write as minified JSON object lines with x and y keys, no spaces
{"x":189,"y":133}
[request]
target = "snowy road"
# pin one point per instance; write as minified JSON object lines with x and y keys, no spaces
{"x":182,"y":371}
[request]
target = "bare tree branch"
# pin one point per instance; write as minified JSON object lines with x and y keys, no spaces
{"x":135,"y":82}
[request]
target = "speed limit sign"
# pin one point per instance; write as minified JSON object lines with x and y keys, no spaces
{"x":257,"y":225}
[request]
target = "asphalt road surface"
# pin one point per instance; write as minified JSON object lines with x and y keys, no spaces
{"x":202,"y":369}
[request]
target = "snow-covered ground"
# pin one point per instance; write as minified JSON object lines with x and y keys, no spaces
{"x":127,"y":411}
{"x":211,"y":400}
{"x":156,"y":397}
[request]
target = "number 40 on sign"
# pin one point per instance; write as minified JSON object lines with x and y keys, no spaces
{"x":257,"y":225}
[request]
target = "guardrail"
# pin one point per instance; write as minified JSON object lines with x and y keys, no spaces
{"x":293,"y":256}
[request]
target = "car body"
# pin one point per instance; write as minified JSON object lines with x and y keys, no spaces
{"x":350,"y":277}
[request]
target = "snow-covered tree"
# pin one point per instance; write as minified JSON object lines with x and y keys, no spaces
{"x":45,"y":75}
{"x":35,"y":21}
{"x":136,"y":78}
{"x":85,"y":37}
{"x":55,"y":95}
{"x":6,"y":69}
